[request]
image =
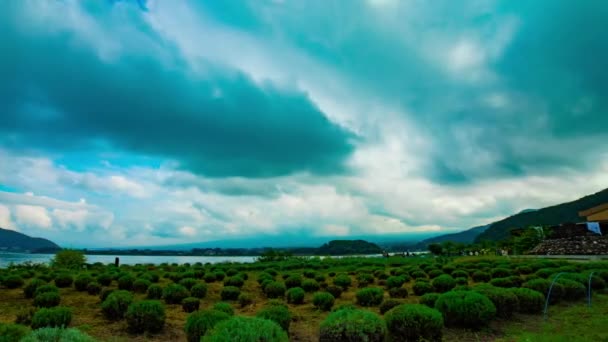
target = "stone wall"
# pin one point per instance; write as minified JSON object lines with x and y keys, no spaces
{"x":576,"y":245}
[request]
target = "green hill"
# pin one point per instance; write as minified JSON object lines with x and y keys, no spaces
{"x":348,"y":247}
{"x":561,"y":213}
{"x":17,"y":242}
{"x":465,"y":236}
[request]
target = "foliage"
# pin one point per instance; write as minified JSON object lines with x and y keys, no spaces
{"x":224,"y":307}
{"x":105,"y":279}
{"x":241,"y":328}
{"x":145,"y":316}
{"x":199,"y":290}
{"x":63,"y":280}
{"x":398,"y":292}
{"x":52,"y":317}
{"x":31,"y":287}
{"x":273,"y":255}
{"x":190,"y":304}
{"x":25,"y":315}
{"x":309,"y":285}
{"x":295,"y":295}
{"x":69,"y":258}
{"x":530,"y":301}
{"x":293,"y":281}
{"x":352,"y":325}
{"x":444,"y":283}
{"x":12,"y":332}
{"x":335,"y":291}
{"x":154,"y":291}
{"x":342,"y":280}
{"x":348,"y":247}
{"x":230,"y":293}
{"x":141,"y":285}
{"x":429,"y":299}
{"x":245,"y":299}
{"x":81,"y":282}
{"x":395,"y":281}
{"x":93,"y":288}
{"x":572,"y":290}
{"x":13,"y":282}
{"x":466,"y":309}
{"x":277,"y":313}
{"x":236,"y":281}
{"x":542,"y":286}
{"x":198,"y":323}
{"x":175,"y":293}
{"x":413,"y":322}
{"x":388,"y":304}
{"x":505,"y":301}
{"x":47,"y":300}
{"x":422,"y":287}
{"x":126,"y":282}
{"x":275,"y":289}
{"x":370,"y":296}
{"x":57,"y":334}
{"x":323,"y":300}
{"x":116,"y":305}
{"x":189,"y":282}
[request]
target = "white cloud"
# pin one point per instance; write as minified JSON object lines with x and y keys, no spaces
{"x":31,"y":215}
{"x":5,"y":218}
{"x":187,"y":231}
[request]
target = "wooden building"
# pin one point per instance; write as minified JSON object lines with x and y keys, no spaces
{"x":596,"y":214}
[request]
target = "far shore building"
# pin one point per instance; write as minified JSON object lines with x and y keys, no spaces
{"x":596,"y":214}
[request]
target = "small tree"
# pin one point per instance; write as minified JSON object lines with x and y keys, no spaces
{"x":69,"y":258}
{"x":435,"y":248}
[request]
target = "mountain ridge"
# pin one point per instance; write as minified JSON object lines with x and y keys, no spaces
{"x":11,"y":240}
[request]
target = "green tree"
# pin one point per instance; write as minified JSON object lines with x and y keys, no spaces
{"x":435,"y":248}
{"x":69,"y":258}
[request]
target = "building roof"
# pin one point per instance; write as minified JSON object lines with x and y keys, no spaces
{"x":593,"y":210}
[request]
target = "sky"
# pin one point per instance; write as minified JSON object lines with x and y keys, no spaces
{"x":142,"y":123}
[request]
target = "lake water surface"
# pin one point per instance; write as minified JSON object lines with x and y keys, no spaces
{"x":17,"y":258}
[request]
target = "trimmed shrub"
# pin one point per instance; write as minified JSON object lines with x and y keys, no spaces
{"x":224,"y":307}
{"x":524,"y":270}
{"x":395,"y":281}
{"x":460,"y":274}
{"x":117,"y":303}
{"x":63,"y":280}
{"x":481,"y":277}
{"x":154,"y":291}
{"x":398,"y":292}
{"x":199,"y":290}
{"x":444,"y":283}
{"x":429,"y":299}
{"x":530,"y":301}
{"x":93,"y":288}
{"x":230,"y":293}
{"x":245,"y":299}
{"x":413,"y":322}
{"x":500,"y":273}
{"x":198,"y":323}
{"x":47,"y":300}
{"x":141,"y":285}
{"x":388,"y":304}
{"x":352,"y":325}
{"x":370,"y":296}
{"x":209,"y":278}
{"x":126,"y":282}
{"x":277,"y":313}
{"x":12,"y":332}
{"x":57,"y":334}
{"x":30,"y":289}
{"x":82,"y":281}
{"x":295,"y":295}
{"x":422,"y":287}
{"x":505,"y":301}
{"x":468,"y":309}
{"x":145,"y":316}
{"x":105,"y":292}
{"x":241,"y":328}
{"x":418,"y":274}
{"x":335,"y":291}
{"x":105,"y":279}
{"x":573,"y":290}
{"x":52,"y":317}
{"x":188,"y":283}
{"x":323,"y":300}
{"x":275,"y":289}
{"x":175,"y":293}
{"x":542,"y":286}
{"x":308,"y":285}
{"x":45,"y":288}
{"x":219,"y":275}
{"x":434,"y":273}
{"x":293,"y":281}
{"x":343,"y":281}
{"x":364,"y":279}
{"x":24,"y":316}
{"x":235,"y":281}
{"x":13,"y":282}
{"x":191,"y":304}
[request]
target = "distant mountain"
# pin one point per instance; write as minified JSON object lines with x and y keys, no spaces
{"x":561,"y":213}
{"x":348,"y":247}
{"x":11,"y":240}
{"x":465,"y":236}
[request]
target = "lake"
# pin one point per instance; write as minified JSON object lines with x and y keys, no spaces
{"x":17,"y":258}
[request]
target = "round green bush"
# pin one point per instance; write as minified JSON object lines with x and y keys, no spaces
{"x":145,"y":316}
{"x":235,"y":281}
{"x":141,"y":285}
{"x":309,"y":285}
{"x":352,"y":325}
{"x":198,"y":323}
{"x":500,"y":273}
{"x":126,"y":282}
{"x":443,"y":283}
{"x":230,"y":293}
{"x":388,"y":304}
{"x":105,"y":292}
{"x":219,"y":275}
{"x":93,"y":288}
{"x":434,"y":273}
{"x":414,"y":322}
{"x":46,"y":288}
{"x":241,"y":328}
{"x":154,"y":291}
{"x":277,"y":313}
{"x":245,"y":299}
{"x":542,"y":286}
{"x":191,"y":304}
{"x":30,"y":289}
{"x":395,"y":281}
{"x":275,"y":289}
{"x":422,"y":287}
{"x":63,"y":280}
{"x":460,"y":274}
{"x":364,"y":279}
{"x":295,"y":295}
{"x":12,"y":332}
{"x":370,"y":296}
{"x":175,"y":293}
{"x":47,"y":300}
{"x":418,"y":274}
{"x":530,"y":301}
{"x":323,"y":300}
{"x":58,"y":316}
{"x":335,"y":291}
{"x":13,"y":282}
{"x":82,"y":281}
{"x":293,"y":281}
{"x":209,"y":278}
{"x":468,"y":309}
{"x":188,"y":282}
{"x":505,"y":301}
{"x":573,"y":290}
{"x":224,"y":307}
{"x":342,"y":280}
{"x":57,"y":334}
{"x":481,"y":277}
{"x":116,"y":304}
{"x":398,"y":292}
{"x":199,"y":290}
{"x":429,"y":299}
{"x":105,"y":279}
{"x":24,"y":316}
